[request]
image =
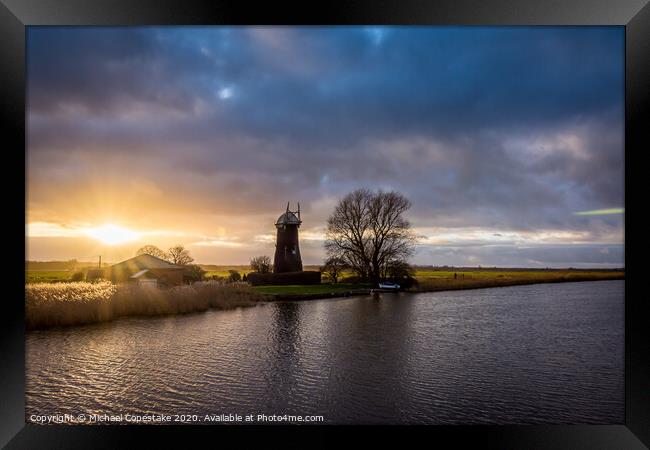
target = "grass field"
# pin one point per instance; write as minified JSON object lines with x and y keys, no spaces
{"x":47,"y":276}
{"x":225,"y":273}
{"x":445,"y":280}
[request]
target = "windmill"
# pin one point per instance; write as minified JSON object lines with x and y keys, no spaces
{"x":287,"y":248}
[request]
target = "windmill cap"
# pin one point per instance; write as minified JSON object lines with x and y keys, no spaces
{"x":288,"y":218}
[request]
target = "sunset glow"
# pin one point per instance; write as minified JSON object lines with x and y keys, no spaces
{"x":201,"y":135}
{"x":112,"y":234}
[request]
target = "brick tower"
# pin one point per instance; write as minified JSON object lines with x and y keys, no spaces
{"x":287,"y":250}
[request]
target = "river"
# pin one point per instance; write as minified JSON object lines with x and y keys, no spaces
{"x":546,"y":353}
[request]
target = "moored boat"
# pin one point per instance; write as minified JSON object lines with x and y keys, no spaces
{"x":387,"y":287}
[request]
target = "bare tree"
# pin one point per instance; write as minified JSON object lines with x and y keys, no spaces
{"x":151,"y":250}
{"x":368,"y":230}
{"x":261,"y":264}
{"x":179,"y":255}
{"x":334,"y":267}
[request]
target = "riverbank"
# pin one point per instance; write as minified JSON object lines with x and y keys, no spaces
{"x":67,"y":304}
{"x":435,"y":281}
{"x":495,"y":278}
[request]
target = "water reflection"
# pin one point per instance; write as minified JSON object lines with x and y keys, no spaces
{"x":371,"y":340}
{"x":284,"y":359}
{"x":527,"y":354}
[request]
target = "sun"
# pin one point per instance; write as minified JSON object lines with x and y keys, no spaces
{"x":112,"y":234}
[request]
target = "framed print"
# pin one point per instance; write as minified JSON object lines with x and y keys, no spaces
{"x":246,"y":219}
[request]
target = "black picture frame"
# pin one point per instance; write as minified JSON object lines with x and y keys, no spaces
{"x":15,"y":15}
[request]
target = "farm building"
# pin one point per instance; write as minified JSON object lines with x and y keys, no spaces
{"x":146,"y":269}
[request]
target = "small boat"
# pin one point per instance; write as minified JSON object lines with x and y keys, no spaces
{"x":389,"y":286}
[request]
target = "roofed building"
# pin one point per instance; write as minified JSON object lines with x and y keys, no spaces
{"x":146,"y":269}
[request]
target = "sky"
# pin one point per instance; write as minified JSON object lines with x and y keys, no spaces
{"x":509,"y":141}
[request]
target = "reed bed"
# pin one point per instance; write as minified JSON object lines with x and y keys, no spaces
{"x":62,"y":304}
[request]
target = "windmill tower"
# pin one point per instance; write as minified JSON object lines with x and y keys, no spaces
{"x":287,"y":251}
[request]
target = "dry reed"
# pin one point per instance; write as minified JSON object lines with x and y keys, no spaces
{"x":60,"y":304}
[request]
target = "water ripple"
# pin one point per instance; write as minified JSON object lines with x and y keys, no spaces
{"x":524,"y":354}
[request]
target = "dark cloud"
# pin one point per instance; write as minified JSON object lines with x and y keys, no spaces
{"x":577,"y":256}
{"x":510,"y":128}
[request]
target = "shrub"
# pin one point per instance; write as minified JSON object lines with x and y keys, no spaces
{"x":396,"y":270}
{"x":334,"y":267}
{"x":355,"y":279}
{"x":234,"y":276}
{"x":193,"y":273}
{"x":408,"y":282}
{"x":77,"y":276}
{"x":402,"y":273}
{"x":95,"y":274}
{"x":261,"y":264}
